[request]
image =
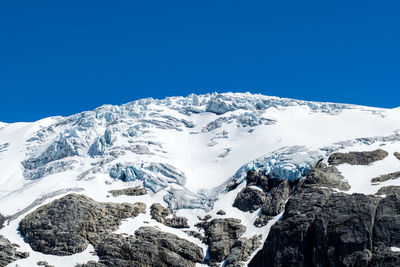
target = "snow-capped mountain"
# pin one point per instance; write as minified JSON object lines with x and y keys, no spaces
{"x":192,"y":154}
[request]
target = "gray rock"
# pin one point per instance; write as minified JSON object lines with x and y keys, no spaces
{"x":257,"y":178}
{"x":2,"y":219}
{"x":132,"y":191}
{"x":149,"y":247}
{"x":8,"y":252}
{"x":386,"y":177}
{"x":357,"y":158}
{"x":91,"y":264}
{"x":387,"y":221}
{"x":388,"y":190}
{"x":42,"y":263}
{"x":275,"y":201}
{"x":221,"y":212}
{"x":397,"y":155}
{"x":249,"y":199}
{"x":159,"y":213}
{"x":241,"y":251}
{"x":262,"y":220}
{"x":326,"y":176}
{"x":221,"y":234}
{"x":67,"y":225}
{"x":384,"y":257}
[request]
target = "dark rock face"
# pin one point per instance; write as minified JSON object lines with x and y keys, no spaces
{"x":387,"y":221}
{"x":249,"y":199}
{"x":323,"y":228}
{"x":357,"y":158}
{"x":221,"y":234}
{"x":326,"y":176}
{"x":2,"y":219}
{"x":386,"y":177}
{"x":275,"y":201}
{"x":241,"y":251}
{"x":67,"y":225}
{"x":133,"y":191}
{"x":159,"y":213}
{"x":8,"y":252}
{"x":397,"y":155}
{"x":149,"y":247}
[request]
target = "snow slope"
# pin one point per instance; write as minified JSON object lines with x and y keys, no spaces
{"x":185,"y":150}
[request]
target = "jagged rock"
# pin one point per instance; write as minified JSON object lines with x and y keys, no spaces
{"x":67,"y":225}
{"x":205,"y":218}
{"x":160,"y":214}
{"x":386,"y":177}
{"x":357,"y":158}
{"x":8,"y":252}
{"x":221,"y":212}
{"x":387,"y":221}
{"x":275,"y":201}
{"x":257,"y":178}
{"x":2,"y":219}
{"x":221,"y":234}
{"x":241,"y":251}
{"x":288,"y":239}
{"x":326,"y":176}
{"x":196,"y":234}
{"x":388,"y":190}
{"x":133,"y":191}
{"x":249,"y":199}
{"x":262,"y":220}
{"x":91,"y":264}
{"x":149,"y":247}
{"x":397,"y":155}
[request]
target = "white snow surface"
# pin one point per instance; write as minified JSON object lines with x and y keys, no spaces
{"x":185,"y":151}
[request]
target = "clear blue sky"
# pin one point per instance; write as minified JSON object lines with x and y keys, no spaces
{"x":63,"y":57}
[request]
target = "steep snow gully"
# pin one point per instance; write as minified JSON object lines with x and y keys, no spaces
{"x":213,"y":170}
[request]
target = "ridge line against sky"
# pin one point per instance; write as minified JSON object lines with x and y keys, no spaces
{"x":61,"y":58}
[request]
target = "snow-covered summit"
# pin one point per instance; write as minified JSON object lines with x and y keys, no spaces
{"x":186,"y":151}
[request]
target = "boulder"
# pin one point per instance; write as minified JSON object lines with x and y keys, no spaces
{"x":133,"y":191}
{"x":397,"y":155}
{"x":160,"y":214}
{"x":67,"y":225}
{"x":221,"y":212}
{"x":8,"y":252}
{"x":249,"y":199}
{"x":357,"y":158}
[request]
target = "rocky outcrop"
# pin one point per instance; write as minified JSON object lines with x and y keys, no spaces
{"x":160,"y":214}
{"x":242,"y":250}
{"x":2,"y":219}
{"x":322,"y":228}
{"x":220,"y":235}
{"x":388,"y":190}
{"x":397,"y":155}
{"x":249,"y":199}
{"x":67,"y":225}
{"x":257,"y":178}
{"x":357,"y":158}
{"x":386,"y":177}
{"x":132,"y":191}
{"x":149,"y":247}
{"x":8,"y":252}
{"x":326,"y":176}
{"x":275,"y":201}
{"x":221,"y":212}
